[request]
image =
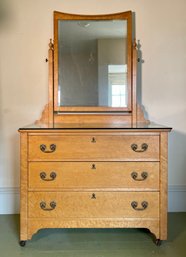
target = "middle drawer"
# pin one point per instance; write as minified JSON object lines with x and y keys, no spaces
{"x":142,"y":175}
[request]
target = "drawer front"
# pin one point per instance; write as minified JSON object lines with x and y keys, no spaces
{"x":94,"y":147}
{"x":142,"y":175}
{"x":93,"y":205}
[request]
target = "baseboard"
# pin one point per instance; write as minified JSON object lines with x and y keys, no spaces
{"x":177,"y":198}
{"x":9,"y":199}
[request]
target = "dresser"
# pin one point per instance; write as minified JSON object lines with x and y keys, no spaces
{"x":92,"y":160}
{"x":94,"y":178}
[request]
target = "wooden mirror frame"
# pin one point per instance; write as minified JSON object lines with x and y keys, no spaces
{"x":51,"y":115}
{"x":117,"y":16}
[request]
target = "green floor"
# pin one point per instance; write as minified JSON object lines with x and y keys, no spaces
{"x":92,"y":242}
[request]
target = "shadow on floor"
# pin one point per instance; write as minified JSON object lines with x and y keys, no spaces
{"x":176,"y":225}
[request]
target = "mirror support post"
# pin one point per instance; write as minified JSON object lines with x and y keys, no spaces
{"x":134,"y":81}
{"x":51,"y":82}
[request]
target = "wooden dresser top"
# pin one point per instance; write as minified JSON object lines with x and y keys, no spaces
{"x":97,"y":126}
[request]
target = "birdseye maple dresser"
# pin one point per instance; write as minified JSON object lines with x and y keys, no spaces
{"x":93,"y":160}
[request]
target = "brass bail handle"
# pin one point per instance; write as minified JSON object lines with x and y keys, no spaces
{"x":144,"y":147}
{"x":43,"y":176}
{"x":44,"y":207}
{"x":52,"y":147}
{"x":144,"y":205}
{"x":144,"y":176}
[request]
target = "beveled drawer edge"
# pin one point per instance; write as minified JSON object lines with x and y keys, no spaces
{"x":101,"y":189}
{"x":95,"y":160}
{"x":103,"y":133}
{"x":96,"y":218}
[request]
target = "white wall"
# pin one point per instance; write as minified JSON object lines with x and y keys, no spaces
{"x":25,"y":29}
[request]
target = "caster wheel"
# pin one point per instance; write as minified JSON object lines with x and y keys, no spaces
{"x":158,"y":242}
{"x":22,"y":243}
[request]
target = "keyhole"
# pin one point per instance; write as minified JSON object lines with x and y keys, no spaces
{"x":93,"y":196}
{"x":93,"y":166}
{"x":93,"y":140}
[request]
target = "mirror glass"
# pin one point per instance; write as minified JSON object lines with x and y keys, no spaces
{"x":92,"y":63}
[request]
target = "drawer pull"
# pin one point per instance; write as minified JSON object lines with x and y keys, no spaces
{"x":93,"y":140}
{"x":144,"y":175}
{"x":144,"y":147}
{"x":144,"y":205}
{"x":43,"y":148}
{"x":52,"y":205}
{"x":93,"y":196}
{"x":52,"y":176}
{"x":93,"y":166}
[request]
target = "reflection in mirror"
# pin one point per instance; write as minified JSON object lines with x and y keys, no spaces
{"x":92,"y":63}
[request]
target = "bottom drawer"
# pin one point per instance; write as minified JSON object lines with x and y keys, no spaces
{"x":93,"y":205}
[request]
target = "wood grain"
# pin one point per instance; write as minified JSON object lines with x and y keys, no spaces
{"x":77,"y":181}
{"x":163,"y":185}
{"x":134,"y":81}
{"x":23,"y":187}
{"x":117,"y":16}
{"x":83,"y":205}
{"x":51,"y":82}
{"x":35,"y":224}
{"x":97,"y":175}
{"x":81,"y":147}
{"x":93,"y":118}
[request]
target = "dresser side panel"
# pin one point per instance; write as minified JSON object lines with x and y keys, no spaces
{"x":23,"y":185}
{"x":163,"y":185}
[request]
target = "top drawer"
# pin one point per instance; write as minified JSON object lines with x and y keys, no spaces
{"x":94,"y":147}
